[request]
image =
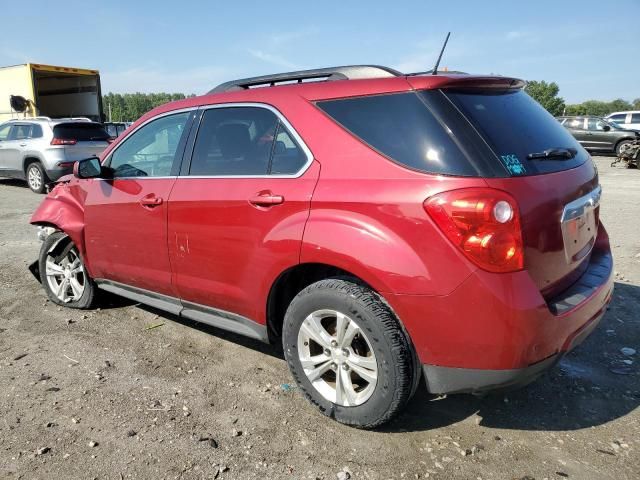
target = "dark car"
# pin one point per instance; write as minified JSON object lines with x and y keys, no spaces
{"x":597,"y":134}
{"x":380,"y":227}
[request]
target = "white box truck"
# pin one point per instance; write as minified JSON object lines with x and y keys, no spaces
{"x":33,"y":90}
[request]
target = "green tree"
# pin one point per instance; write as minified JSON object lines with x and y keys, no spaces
{"x":128,"y":107}
{"x":546,"y":94}
{"x":636,"y":104}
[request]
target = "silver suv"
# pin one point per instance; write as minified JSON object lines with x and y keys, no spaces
{"x":41,"y":150}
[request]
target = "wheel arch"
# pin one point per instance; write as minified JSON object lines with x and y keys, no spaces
{"x":28,"y":160}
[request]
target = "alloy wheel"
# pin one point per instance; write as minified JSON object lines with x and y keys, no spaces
{"x":66,"y":276}
{"x":34,"y":177}
{"x":337,"y":358}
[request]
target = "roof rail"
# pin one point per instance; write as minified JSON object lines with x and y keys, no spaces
{"x":41,"y":118}
{"x":81,"y":119}
{"x":347,"y":72}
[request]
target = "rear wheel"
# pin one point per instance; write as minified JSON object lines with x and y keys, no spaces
{"x":36,"y":177}
{"x":63,"y":275}
{"x":348,"y":353}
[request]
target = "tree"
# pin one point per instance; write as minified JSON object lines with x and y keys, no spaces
{"x":128,"y":107}
{"x":636,"y":104}
{"x":546,"y":94}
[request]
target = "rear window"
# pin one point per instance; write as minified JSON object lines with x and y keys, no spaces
{"x":401,"y":127}
{"x":514,"y":125}
{"x":80,"y":131}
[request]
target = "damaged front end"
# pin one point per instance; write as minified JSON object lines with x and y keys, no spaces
{"x":61,"y":210}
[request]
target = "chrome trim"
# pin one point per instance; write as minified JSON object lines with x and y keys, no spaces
{"x":266,"y":106}
{"x":583,"y":206}
{"x":286,"y":123}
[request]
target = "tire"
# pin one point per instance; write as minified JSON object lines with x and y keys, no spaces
{"x":379,"y":343}
{"x":60,"y":252}
{"x":620,"y":145}
{"x":36,"y":177}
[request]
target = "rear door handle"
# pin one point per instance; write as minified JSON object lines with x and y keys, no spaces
{"x":151,"y":201}
{"x":23,"y":144}
{"x":267,"y":199}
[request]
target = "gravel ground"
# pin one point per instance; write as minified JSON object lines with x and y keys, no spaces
{"x":98,"y":394}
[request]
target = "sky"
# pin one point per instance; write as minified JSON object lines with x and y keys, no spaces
{"x":589,"y":47}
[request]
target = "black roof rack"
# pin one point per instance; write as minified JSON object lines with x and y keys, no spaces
{"x":347,"y":72}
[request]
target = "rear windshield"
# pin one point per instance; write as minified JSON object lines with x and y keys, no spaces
{"x":516,"y":126}
{"x":462,"y":133}
{"x":80,"y":131}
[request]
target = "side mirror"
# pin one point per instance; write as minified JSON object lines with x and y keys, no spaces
{"x":88,"y":168}
{"x":606,"y":128}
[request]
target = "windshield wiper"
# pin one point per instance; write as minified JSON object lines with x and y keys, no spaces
{"x":553,"y":154}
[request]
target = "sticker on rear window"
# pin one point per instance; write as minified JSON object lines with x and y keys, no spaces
{"x":512,"y":162}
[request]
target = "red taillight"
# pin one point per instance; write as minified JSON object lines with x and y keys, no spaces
{"x":483,"y":223}
{"x":63,"y":141}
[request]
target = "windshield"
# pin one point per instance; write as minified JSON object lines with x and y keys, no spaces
{"x":519,"y":129}
{"x":81,"y":131}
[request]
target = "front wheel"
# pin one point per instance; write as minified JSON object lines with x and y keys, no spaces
{"x":63,"y":274}
{"x":622,"y":146}
{"x":348,"y":353}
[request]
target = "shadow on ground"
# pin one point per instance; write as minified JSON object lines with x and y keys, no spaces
{"x":580,"y":392}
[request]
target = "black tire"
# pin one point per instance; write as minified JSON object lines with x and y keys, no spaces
{"x":59,"y":245}
{"x":396,"y":364}
{"x":620,"y":145}
{"x":35,"y":168}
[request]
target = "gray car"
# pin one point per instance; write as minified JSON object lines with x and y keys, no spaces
{"x":597,"y":134}
{"x":41,"y":150}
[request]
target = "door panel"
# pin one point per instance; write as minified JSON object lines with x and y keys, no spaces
{"x":226,"y":251}
{"x":236,"y":217}
{"x":126,"y":216}
{"x":126,"y":241}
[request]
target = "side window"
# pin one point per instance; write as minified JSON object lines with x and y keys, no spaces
{"x":618,"y":118}
{"x":234,"y":141}
{"x":595,"y":124}
{"x":20,"y":132}
{"x":151,"y":150}
{"x":36,"y":131}
{"x":575,"y":123}
{"x":635,"y":118}
{"x":4,"y":132}
{"x":288,"y":158}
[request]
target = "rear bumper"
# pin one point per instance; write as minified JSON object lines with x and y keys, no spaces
{"x":441,"y":380}
{"x":496,"y":330}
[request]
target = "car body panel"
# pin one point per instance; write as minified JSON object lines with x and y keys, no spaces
{"x":226,"y":252}
{"x":132,"y":249}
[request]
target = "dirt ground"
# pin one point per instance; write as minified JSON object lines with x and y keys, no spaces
{"x":99,"y":394}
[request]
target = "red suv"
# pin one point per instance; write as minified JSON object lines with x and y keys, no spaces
{"x":381,"y":226}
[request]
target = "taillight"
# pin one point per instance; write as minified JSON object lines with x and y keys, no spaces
{"x":63,"y":141}
{"x":483,"y":223}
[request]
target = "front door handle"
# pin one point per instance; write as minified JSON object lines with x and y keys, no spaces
{"x":23,"y":144}
{"x":266,"y":199}
{"x":150,"y":201}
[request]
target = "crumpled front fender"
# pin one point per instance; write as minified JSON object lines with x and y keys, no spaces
{"x":63,"y":209}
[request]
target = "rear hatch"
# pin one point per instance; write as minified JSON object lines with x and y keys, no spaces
{"x":490,"y":128}
{"x":549,"y":174}
{"x":80,"y":139}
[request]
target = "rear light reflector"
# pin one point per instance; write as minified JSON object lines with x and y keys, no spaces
{"x":65,"y":164}
{"x":63,"y":141}
{"x":483,"y":223}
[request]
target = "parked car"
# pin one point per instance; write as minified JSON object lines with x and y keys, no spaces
{"x":629,"y":120}
{"x":380,"y":227}
{"x":41,"y":150}
{"x":115,"y":129}
{"x":597,"y":134}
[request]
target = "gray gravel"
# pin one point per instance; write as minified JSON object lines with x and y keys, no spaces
{"x":97,"y":395}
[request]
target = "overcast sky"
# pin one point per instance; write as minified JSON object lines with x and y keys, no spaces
{"x":590,"y":48}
